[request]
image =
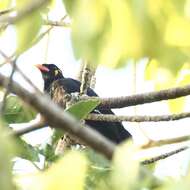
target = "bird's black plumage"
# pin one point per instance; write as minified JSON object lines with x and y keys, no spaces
{"x":52,"y":76}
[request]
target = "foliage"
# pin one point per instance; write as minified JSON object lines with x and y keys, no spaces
{"x":108,"y":33}
{"x":16,"y":111}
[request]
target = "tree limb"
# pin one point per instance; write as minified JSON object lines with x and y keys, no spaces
{"x":29,"y":128}
{"x":153,"y":143}
{"x":164,"y":156}
{"x":137,"y":118}
{"x":139,"y":99}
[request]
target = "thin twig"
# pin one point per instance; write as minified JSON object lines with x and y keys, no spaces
{"x":163,"y":156}
{"x":154,"y":143}
{"x":6,"y":11}
{"x":57,"y":23}
{"x":139,"y":99}
{"x":57,"y":118}
{"x":137,"y":118}
{"x":9,"y":60}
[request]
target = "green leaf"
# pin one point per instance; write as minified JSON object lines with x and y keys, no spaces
{"x":81,"y":109}
{"x":27,"y":151}
{"x":16,"y":111}
{"x":49,"y":152}
{"x":27,"y":28}
{"x":7,"y":151}
{"x":57,"y":134}
{"x":69,"y":5}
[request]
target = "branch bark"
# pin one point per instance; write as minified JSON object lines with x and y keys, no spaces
{"x":153,"y":143}
{"x":137,"y":118}
{"x":29,"y":128}
{"x":163,"y":156}
{"x":139,"y":99}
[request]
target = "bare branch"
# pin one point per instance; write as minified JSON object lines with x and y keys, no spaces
{"x":29,"y":128}
{"x":6,"y":11}
{"x":57,"y":23}
{"x":163,"y":156}
{"x":137,"y":118}
{"x":9,"y":60}
{"x":57,"y":118}
{"x":153,"y":143}
{"x":125,"y":101}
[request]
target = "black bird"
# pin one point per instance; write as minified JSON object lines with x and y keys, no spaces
{"x":54,"y":83}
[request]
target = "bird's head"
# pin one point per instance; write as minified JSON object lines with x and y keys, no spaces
{"x":50,"y":73}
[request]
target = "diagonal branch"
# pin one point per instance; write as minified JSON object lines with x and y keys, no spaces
{"x":163,"y":156}
{"x":55,"y":117}
{"x":137,"y":118}
{"x":139,"y":99}
{"x":153,"y":143}
{"x":29,"y":128}
{"x":57,"y":23}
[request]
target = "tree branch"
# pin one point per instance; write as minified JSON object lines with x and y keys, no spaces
{"x":139,"y":99}
{"x":6,"y":11}
{"x":137,"y":118}
{"x":29,"y":128}
{"x":163,"y":156}
{"x":57,"y":118}
{"x":153,"y":143}
{"x":57,"y":23}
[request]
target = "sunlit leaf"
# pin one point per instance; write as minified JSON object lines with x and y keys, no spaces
{"x":7,"y":150}
{"x":4,"y":4}
{"x":123,"y":38}
{"x":88,"y":27}
{"x":16,"y":111}
{"x":177,"y":32}
{"x":126,"y":168}
{"x":183,"y":78}
{"x":68,"y":173}
{"x":81,"y":109}
{"x":151,"y":69}
{"x":27,"y":28}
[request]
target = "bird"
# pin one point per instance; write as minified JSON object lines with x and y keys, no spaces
{"x":55,"y":84}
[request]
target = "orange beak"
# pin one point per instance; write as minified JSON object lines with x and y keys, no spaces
{"x":42,"y":68}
